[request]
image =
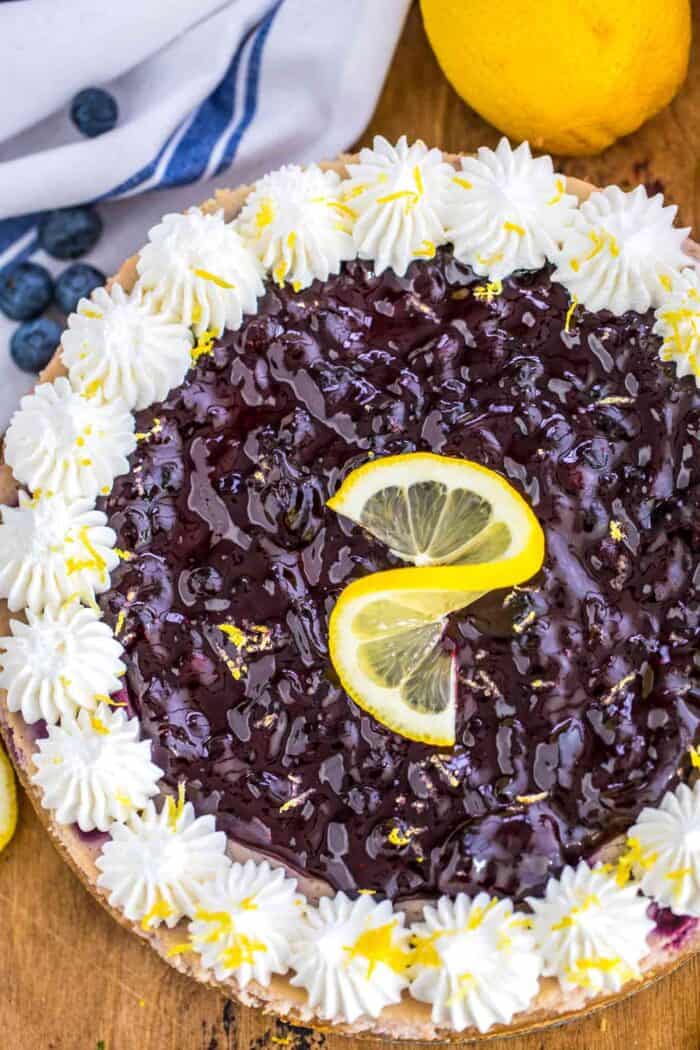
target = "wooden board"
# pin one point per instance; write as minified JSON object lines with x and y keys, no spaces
{"x":70,"y":978}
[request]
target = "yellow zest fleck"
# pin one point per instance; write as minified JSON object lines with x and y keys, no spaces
{"x":176,"y":809}
{"x":478,"y":914}
{"x":124,"y":555}
{"x":203,"y":346}
{"x":464,"y":183}
{"x":424,"y":952}
{"x":297,"y":800}
{"x":488,"y":260}
{"x":464,"y":982}
{"x":579,"y":974}
{"x":599,"y":241}
{"x":98,"y":725}
{"x":91,"y":389}
{"x":280,"y":272}
{"x":678,"y":874}
{"x":155,"y":429}
{"x":418,"y":179}
{"x":561,"y":189}
{"x":95,"y":561}
{"x":513,"y":227}
{"x":160,"y":910}
{"x":80,"y":441}
{"x":220,"y":920}
{"x":92,"y":313}
{"x":377,"y":946}
{"x":234,"y":669}
{"x":665,"y":282}
{"x":65,"y":682}
{"x":633,"y":857}
{"x":366,"y":893}
{"x":214,"y":278}
{"x":616,"y":531}
{"x":242,"y":951}
{"x":235,"y":634}
{"x":124,"y":800}
{"x":356,"y":191}
{"x":196,"y":312}
{"x":486,"y":293}
{"x":342,"y":209}
{"x":529,"y":800}
{"x":249,"y":904}
{"x":425,"y":250}
{"x":265,"y":215}
{"x":521,"y":625}
{"x":590,"y":901}
{"x":179,"y":949}
{"x":121,"y":617}
{"x":694,"y":757}
{"x":296,"y":286}
{"x":402,"y":838}
{"x":104,"y":699}
{"x":291,"y":238}
{"x":570,"y":314}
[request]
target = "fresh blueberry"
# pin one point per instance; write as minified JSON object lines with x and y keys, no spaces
{"x":26,"y":290}
{"x":94,"y":111}
{"x":70,"y":232}
{"x":33,"y":343}
{"x":75,"y":283}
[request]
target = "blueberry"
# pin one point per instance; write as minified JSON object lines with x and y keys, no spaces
{"x":75,"y":283}
{"x":70,"y":232}
{"x":33,"y":343}
{"x":26,"y":290}
{"x":94,"y":111}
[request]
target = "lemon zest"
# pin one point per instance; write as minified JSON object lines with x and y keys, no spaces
{"x":176,"y":809}
{"x":265,"y":215}
{"x":342,"y":209}
{"x":616,"y":531}
{"x":160,"y":910}
{"x":513,"y":227}
{"x":376,"y":945}
{"x":570,"y":314}
{"x":98,"y":725}
{"x":634,"y":856}
{"x":95,"y":314}
{"x":486,"y":293}
{"x":95,"y":561}
{"x":425,"y":250}
{"x":242,"y":951}
{"x":464,"y":183}
{"x":203,"y":346}
{"x":124,"y":555}
{"x":578,"y":974}
{"x":590,"y":900}
{"x":155,"y":429}
{"x":235,"y":634}
{"x":487,"y":260}
{"x":91,"y":389}
{"x":694,"y":753}
{"x":121,"y":617}
{"x":179,"y":949}
{"x":424,"y":952}
{"x":220,"y":282}
{"x":561,"y":189}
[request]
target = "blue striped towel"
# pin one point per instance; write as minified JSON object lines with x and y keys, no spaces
{"x":209,"y":92}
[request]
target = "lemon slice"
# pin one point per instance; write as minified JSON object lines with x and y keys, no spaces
{"x":385,"y":640}
{"x":437,"y":510}
{"x":8,"y":800}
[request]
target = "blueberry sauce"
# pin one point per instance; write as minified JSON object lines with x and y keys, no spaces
{"x":579,"y":694}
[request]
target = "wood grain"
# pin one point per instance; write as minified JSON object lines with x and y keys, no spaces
{"x":70,"y":978}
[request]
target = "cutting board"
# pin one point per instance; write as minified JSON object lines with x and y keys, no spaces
{"x":70,"y":977}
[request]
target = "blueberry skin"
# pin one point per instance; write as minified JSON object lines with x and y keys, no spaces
{"x":33,"y":343}
{"x":75,"y":283}
{"x":26,"y":289}
{"x":70,"y":232}
{"x":94,"y":111}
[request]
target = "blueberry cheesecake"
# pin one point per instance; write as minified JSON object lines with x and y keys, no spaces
{"x":350,"y":566}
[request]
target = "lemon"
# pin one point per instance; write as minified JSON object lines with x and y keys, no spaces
{"x":384,"y":638}
{"x":8,"y":800}
{"x":466,"y":531}
{"x":570,"y":77}
{"x":439,"y":510}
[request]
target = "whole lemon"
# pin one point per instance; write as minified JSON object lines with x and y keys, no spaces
{"x":569,"y":76}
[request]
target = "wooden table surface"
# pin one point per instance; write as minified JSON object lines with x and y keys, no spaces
{"x":70,"y":977}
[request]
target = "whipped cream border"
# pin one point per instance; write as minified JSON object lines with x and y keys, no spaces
{"x":640,"y":870}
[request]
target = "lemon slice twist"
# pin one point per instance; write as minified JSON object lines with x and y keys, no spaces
{"x":467,"y":532}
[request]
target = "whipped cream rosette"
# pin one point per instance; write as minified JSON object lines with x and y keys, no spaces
{"x":666,"y":850}
{"x":474,"y":961}
{"x":297,"y":225}
{"x":60,"y":441}
{"x":59,"y":661}
{"x":93,"y":769}
{"x":397,"y":194}
{"x":155,"y":864}
{"x":622,"y":251}
{"x":352,"y":957}
{"x":506,"y":210}
{"x":591,"y":931}
{"x":678,"y":324}
{"x":199,"y":271}
{"x":120,"y":346}
{"x":246,"y":922}
{"x":52,"y":550}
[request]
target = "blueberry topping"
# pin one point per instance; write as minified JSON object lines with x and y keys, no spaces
{"x":94,"y":111}
{"x":70,"y":232}
{"x":33,"y":344}
{"x":75,"y":283}
{"x":578,"y":693}
{"x":26,"y":289}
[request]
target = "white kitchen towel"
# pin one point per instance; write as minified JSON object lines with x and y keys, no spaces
{"x":213,"y":92}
